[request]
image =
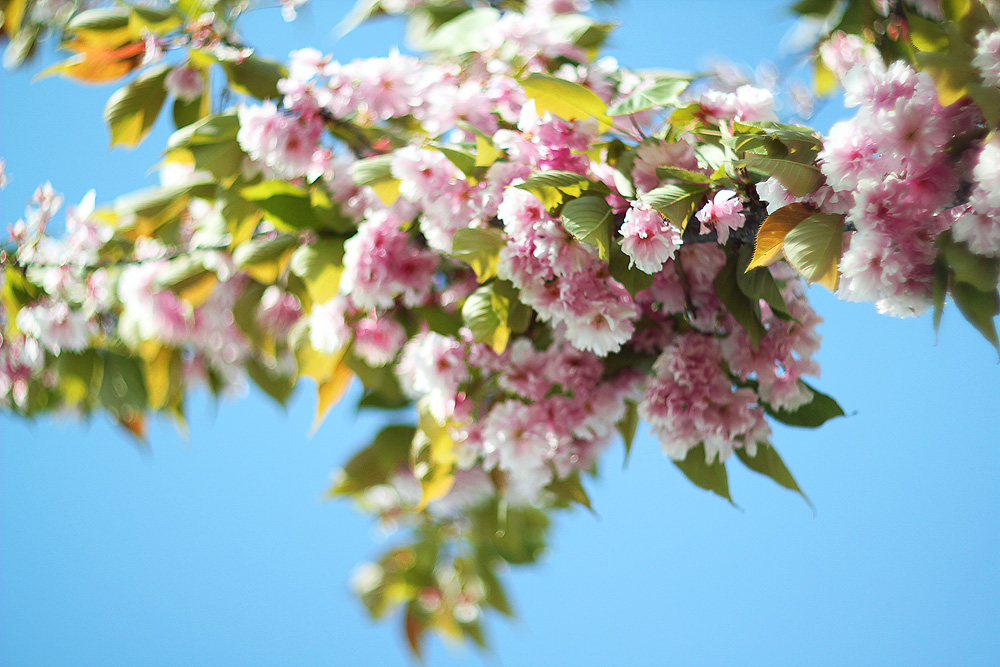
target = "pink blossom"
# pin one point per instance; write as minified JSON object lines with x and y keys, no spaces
{"x":185,"y":83}
{"x":722,"y":213}
{"x":648,"y":239}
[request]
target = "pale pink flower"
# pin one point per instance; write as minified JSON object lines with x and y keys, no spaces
{"x":185,"y":83}
{"x":722,"y":214}
{"x":648,"y":239}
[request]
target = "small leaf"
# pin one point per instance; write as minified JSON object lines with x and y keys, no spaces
{"x":589,"y":220}
{"x":480,"y":249}
{"x":813,"y":414}
{"x":320,"y":266}
{"x":759,"y":284}
{"x":265,"y":259}
{"x":552,"y":187}
{"x":376,"y":463}
{"x":979,"y":308}
{"x":768,"y":462}
{"x":628,"y":425}
{"x":631,"y":277}
{"x":433,"y":448}
{"x":664,"y":92}
{"x":329,"y":392}
{"x":570,"y":489}
{"x":745,"y":311}
{"x":771,"y":236}
{"x":566,"y":99}
{"x":813,"y":248}
{"x":684,"y":175}
{"x":676,"y":202}
{"x":255,"y":76}
{"x":709,"y":476}
{"x":939,"y":290}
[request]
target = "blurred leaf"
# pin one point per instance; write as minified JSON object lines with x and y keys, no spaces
{"x":480,"y":314}
{"x":123,"y":389}
{"x":320,"y":266}
{"x":291,"y":208}
{"x":552,"y":187}
{"x":266,"y":375}
{"x":255,"y":76}
{"x":664,"y":92}
{"x":566,"y":99}
{"x":378,"y":462}
{"x":265,"y":259}
{"x":627,"y":426}
{"x":433,"y":457}
{"x":330,"y":391}
{"x":570,"y":489}
{"x":480,"y":249}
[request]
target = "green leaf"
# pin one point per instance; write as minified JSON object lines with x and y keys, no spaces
{"x":552,"y":187}
{"x":480,"y":313}
{"x":377,"y":463}
{"x":821,"y":8}
{"x":320,"y":266}
{"x":925,"y":35}
{"x":123,"y":389}
{"x":132,"y":110}
{"x":566,"y":99}
{"x":628,"y":425}
{"x":211,"y":143}
{"x":664,"y":92}
{"x":709,"y":476}
{"x":255,"y":76}
{"x":462,"y":34}
{"x":979,"y":308}
{"x":939,"y":290}
{"x":813,"y":414}
{"x":291,"y":208}
{"x":768,"y":462}
{"x":570,"y":489}
{"x":678,"y":174}
{"x":813,"y":248}
{"x":480,"y":249}
{"x":264,"y":258}
{"x":589,"y":220}
{"x":463,"y":160}
{"x":631,"y":277}
{"x":745,"y":311}
{"x":759,"y":283}
{"x":515,"y":534}
{"x":270,"y":378}
{"x":676,"y":202}
{"x":983,"y":273}
{"x":798,"y":178}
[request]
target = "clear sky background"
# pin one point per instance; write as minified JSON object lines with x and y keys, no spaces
{"x":220,"y":550}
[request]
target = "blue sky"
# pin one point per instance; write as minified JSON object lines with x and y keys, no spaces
{"x":218,"y":549}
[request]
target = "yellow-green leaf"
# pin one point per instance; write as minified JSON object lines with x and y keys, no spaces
{"x":566,"y":99}
{"x":132,"y":110}
{"x":771,"y":235}
{"x":813,"y":248}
